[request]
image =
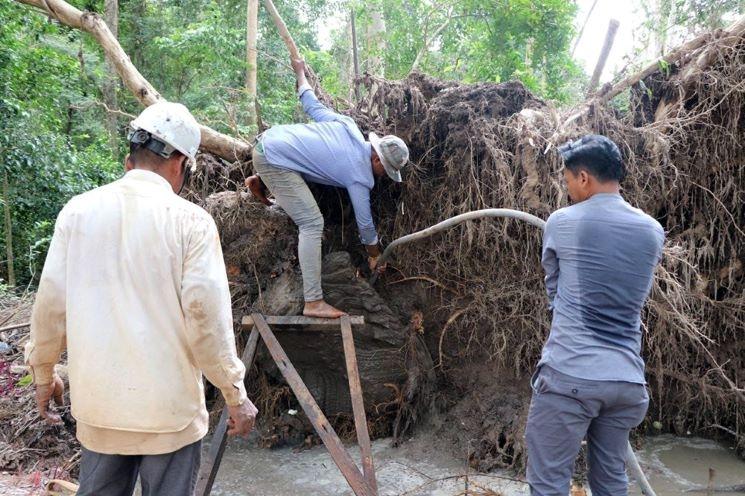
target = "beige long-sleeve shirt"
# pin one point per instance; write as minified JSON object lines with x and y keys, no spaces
{"x":134,"y":288}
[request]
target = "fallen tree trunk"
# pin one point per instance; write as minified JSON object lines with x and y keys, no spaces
{"x":220,"y":144}
{"x":734,"y":30}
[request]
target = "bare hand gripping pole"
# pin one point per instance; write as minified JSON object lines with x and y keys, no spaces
{"x":633,"y":464}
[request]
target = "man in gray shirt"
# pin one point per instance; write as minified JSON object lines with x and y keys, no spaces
{"x":599,"y":256}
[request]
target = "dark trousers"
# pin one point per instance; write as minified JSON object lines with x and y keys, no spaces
{"x":170,"y":474}
{"x":566,"y":409}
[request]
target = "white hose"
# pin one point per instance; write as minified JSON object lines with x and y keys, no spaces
{"x":454,"y":221}
{"x":632,"y":464}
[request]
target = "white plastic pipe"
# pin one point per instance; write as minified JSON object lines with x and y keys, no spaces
{"x":632,"y":462}
{"x":454,"y":221}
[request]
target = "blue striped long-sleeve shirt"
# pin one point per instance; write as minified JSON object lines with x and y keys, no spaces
{"x":330,"y":151}
{"x":599,"y":257}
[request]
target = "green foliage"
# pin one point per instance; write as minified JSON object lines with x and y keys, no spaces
{"x":53,"y":142}
{"x":25,"y":381}
{"x":484,"y":40}
{"x":49,"y":149}
{"x":668,"y":22}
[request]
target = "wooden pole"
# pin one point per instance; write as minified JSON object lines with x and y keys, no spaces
{"x":610,"y":36}
{"x":8,"y":232}
{"x":282,"y":28}
{"x":358,"y":403}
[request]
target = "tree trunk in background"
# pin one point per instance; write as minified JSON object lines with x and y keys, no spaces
{"x":139,"y":9}
{"x":346,"y":59}
{"x":662,"y":14}
{"x":610,"y":36}
{"x":252,"y":31}
{"x":376,"y":43}
{"x":428,"y":38}
{"x":355,"y":56}
{"x":8,"y":232}
{"x":111,"y":78}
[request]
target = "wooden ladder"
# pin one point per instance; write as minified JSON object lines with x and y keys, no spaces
{"x":362,"y":483}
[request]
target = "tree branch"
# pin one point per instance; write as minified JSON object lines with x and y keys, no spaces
{"x":734,"y":31}
{"x":428,"y":40}
{"x":220,"y":144}
{"x":284,"y":33}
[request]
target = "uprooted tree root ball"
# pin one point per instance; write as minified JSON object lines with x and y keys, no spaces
{"x":474,"y":296}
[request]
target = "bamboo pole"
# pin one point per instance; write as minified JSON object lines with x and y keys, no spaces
{"x":284,"y":33}
{"x":282,"y":28}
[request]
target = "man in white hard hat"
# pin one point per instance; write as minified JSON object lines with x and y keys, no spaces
{"x":134,"y":289}
{"x":332,"y":151}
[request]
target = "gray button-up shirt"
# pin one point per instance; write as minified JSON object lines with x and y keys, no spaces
{"x":599,"y":256}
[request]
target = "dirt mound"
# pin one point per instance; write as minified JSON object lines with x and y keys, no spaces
{"x":490,"y":413}
{"x":27,"y":443}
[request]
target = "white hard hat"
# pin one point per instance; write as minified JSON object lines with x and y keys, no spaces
{"x":171,"y":123}
{"x":393,"y":153}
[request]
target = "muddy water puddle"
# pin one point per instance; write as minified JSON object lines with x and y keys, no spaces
{"x":423,"y":466}
{"x":677,"y":466}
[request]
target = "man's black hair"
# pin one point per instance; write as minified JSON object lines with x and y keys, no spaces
{"x":141,"y":155}
{"x":597,"y":155}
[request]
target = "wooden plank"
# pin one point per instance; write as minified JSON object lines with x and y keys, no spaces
{"x":358,"y":404}
{"x":312,"y":410}
{"x":307,"y":323}
{"x":208,"y":470}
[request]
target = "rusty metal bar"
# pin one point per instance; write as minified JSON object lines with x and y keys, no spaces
{"x":358,"y":404}
{"x":208,"y":470}
{"x":308,"y":323}
{"x":329,"y":437}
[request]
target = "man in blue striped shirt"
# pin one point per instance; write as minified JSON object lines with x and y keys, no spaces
{"x":331,"y":151}
{"x":599,"y":255}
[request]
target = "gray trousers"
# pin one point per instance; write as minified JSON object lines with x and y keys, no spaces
{"x":294,"y":196}
{"x":563,"y":410}
{"x":171,"y":474}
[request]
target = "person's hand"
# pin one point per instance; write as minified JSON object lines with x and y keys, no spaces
{"x":45,"y":393}
{"x":242,"y":418}
{"x":298,"y":65}
{"x":372,"y":262}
